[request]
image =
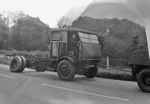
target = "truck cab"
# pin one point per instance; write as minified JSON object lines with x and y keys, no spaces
{"x":74,"y":51}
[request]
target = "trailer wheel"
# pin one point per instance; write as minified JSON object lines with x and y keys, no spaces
{"x":16,"y":64}
{"x":66,"y":70}
{"x":143,"y":80}
{"x":91,"y":72}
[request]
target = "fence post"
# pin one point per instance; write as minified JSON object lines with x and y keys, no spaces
{"x":107,"y":63}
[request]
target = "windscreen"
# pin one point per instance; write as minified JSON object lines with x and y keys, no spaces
{"x":90,"y":46}
{"x":88,"y":38}
{"x":91,"y":51}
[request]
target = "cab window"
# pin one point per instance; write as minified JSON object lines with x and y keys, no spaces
{"x":88,"y":38}
{"x":56,"y":35}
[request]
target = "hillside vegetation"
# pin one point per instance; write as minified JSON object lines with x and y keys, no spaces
{"x":27,"y":33}
{"x":121,"y":37}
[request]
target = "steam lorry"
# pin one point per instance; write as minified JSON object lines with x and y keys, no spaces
{"x":71,"y":51}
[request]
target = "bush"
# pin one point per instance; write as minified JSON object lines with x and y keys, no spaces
{"x":30,"y":34}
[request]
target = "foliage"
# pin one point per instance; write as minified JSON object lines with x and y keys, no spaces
{"x":4,"y":35}
{"x":64,"y":22}
{"x":10,"y":17}
{"x":22,"y":32}
{"x":120,"y":36}
{"x":30,"y":33}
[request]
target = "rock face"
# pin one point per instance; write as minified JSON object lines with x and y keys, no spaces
{"x":120,"y":36}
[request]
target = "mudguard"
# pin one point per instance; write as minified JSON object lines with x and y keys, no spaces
{"x":71,"y":59}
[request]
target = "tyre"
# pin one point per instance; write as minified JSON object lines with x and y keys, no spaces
{"x":24,"y":62}
{"x":91,"y":72}
{"x":66,"y":70}
{"x":143,"y":80}
{"x":16,"y":64}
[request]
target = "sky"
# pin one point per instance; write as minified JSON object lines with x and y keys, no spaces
{"x":49,"y":11}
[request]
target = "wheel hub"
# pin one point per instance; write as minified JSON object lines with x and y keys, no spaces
{"x":64,"y":70}
{"x":14,"y":65}
{"x":147,"y":80}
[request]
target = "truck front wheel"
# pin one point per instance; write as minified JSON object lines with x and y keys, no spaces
{"x":66,"y":70}
{"x":143,"y":80}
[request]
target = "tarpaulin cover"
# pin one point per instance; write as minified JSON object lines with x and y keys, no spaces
{"x":91,"y":51}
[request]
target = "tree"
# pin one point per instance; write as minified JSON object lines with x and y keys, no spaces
{"x":30,"y":33}
{"x":4,"y":35}
{"x":10,"y":18}
{"x":64,"y":22}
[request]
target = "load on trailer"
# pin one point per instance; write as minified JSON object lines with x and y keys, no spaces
{"x":71,"y":51}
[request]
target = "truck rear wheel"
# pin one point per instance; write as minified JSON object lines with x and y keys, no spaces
{"x":23,"y":62}
{"x":91,"y":72}
{"x":16,"y":64}
{"x":143,"y":80}
{"x":66,"y":70}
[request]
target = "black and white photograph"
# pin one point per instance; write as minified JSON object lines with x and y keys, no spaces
{"x":75,"y":52}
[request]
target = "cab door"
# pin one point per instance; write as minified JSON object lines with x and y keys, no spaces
{"x":54,"y":45}
{"x":54,"y":49}
{"x":63,"y":44}
{"x":58,"y":44}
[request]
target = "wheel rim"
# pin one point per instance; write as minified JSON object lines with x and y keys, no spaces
{"x":64,"y":70}
{"x":14,"y":64}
